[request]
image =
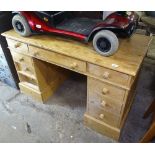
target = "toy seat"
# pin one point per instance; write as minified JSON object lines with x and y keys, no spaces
{"x":54,"y":17}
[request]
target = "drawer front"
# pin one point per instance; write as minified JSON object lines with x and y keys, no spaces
{"x":21,"y":58}
{"x":23,"y":63}
{"x":27,"y":89}
{"x":103,"y":115}
{"x":58,"y":59}
{"x":106,"y":90}
{"x":107,"y":104}
{"x":110,"y":75}
{"x":17,"y":46}
{"x":25,"y":70}
{"x":26,"y":79}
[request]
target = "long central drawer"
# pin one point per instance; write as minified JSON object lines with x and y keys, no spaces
{"x":62,"y":60}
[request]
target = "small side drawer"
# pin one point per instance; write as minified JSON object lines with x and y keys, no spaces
{"x":17,"y":46}
{"x":108,"y":74}
{"x":28,"y":79}
{"x":103,"y":115}
{"x":21,"y":58}
{"x":62,"y":60}
{"x":23,"y":63}
{"x":105,"y":90}
{"x":31,"y":90}
{"x":25,"y":70}
{"x":108,"y":104}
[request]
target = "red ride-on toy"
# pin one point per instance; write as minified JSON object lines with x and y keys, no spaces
{"x":103,"y":33}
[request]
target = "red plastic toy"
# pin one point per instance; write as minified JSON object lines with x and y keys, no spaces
{"x":103,"y":33}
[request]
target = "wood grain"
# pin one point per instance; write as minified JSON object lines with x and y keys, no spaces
{"x":111,"y":81}
{"x":109,"y":75}
{"x":128,"y":58}
{"x":101,"y":127}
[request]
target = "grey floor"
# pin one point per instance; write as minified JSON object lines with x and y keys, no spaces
{"x":61,"y":119}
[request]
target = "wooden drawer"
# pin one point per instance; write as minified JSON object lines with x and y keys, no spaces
{"x":106,"y":90}
{"x":108,"y":74}
{"x":23,"y":63}
{"x":17,"y":46}
{"x":31,"y":90}
{"x":108,"y":104}
{"x":25,"y":70}
{"x":58,"y":59}
{"x":27,"y":79}
{"x":103,"y":115}
{"x":21,"y":58}
{"x":101,"y":127}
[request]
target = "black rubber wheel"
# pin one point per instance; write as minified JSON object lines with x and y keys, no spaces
{"x":105,"y":43}
{"x":21,"y":25}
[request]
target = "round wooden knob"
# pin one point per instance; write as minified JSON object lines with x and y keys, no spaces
{"x":17,"y":45}
{"x":105,"y":91}
{"x":74,"y":65}
{"x":101,"y":116}
{"x":36,"y":54}
{"x":21,"y":59}
{"x":106,"y":75}
{"x":26,"y":69}
{"x":103,"y":103}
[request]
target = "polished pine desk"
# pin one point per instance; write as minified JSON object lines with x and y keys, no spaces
{"x":40,"y":61}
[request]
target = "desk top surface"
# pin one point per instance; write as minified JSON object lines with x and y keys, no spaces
{"x":127,"y":59}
